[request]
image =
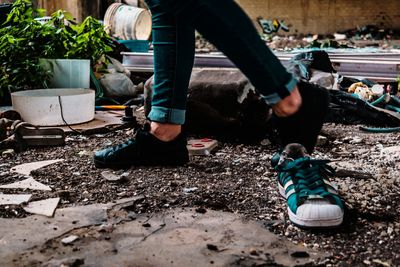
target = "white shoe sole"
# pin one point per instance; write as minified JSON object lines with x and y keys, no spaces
{"x":310,"y":223}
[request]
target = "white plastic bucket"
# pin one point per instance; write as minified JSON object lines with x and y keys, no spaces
{"x":42,"y":107}
{"x":128,"y":22}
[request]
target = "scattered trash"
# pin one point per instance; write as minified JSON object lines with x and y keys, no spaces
{"x":361,"y":90}
{"x":43,"y":207}
{"x":112,"y":177}
{"x":8,"y":152}
{"x":27,"y":168}
{"x":84,"y":153}
{"x":69,"y":240}
{"x":197,"y":147}
{"x":190,"y":190}
{"x":28,"y":183}
{"x":14,"y":199}
{"x":392,"y":152}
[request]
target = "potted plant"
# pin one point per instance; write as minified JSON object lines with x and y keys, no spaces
{"x":27,"y":41}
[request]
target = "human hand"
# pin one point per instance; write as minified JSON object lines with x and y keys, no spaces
{"x":289,"y":105}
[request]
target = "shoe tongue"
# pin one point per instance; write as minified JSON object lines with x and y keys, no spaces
{"x":294,"y":151}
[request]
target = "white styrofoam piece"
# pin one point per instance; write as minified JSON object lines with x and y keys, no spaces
{"x":28,"y":183}
{"x":26,"y":168}
{"x":43,"y":207}
{"x":13,"y":199}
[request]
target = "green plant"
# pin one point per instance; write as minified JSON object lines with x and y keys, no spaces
{"x":27,"y":40}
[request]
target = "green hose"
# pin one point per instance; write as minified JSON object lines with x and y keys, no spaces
{"x":380,"y":130}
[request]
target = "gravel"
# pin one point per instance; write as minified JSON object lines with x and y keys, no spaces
{"x":238,"y":178}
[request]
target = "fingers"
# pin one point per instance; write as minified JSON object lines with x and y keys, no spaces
{"x":289,"y":105}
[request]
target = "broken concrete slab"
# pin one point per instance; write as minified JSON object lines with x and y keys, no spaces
{"x":28,"y":183}
{"x":43,"y":207}
{"x":18,"y":235}
{"x":27,"y":168}
{"x":13,"y":199}
{"x":179,"y":237}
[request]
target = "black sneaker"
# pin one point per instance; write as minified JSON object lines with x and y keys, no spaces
{"x":144,"y":149}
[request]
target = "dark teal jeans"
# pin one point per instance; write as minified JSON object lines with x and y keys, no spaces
{"x":225,"y":25}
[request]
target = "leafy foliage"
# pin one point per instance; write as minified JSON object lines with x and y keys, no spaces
{"x":27,"y":40}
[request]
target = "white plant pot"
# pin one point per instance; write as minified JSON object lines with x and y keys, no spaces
{"x":68,"y":73}
{"x":42,"y":107}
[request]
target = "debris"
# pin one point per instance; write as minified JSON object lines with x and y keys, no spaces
{"x":43,"y":207}
{"x":203,"y":146}
{"x":8,"y":152}
{"x":28,"y":183}
{"x":84,"y":153}
{"x":322,"y":140}
{"x":190,"y":190}
{"x":26,"y":169}
{"x":14,"y":199}
{"x":112,"y":177}
{"x":381,"y":263}
{"x":393,"y":152}
{"x":68,"y":240}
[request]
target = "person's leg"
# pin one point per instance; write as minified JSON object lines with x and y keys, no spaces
{"x":312,"y":200}
{"x":161,"y":143}
{"x":174,"y":45}
{"x":225,"y":24}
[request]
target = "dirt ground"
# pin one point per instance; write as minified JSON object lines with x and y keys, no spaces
{"x":238,"y":178}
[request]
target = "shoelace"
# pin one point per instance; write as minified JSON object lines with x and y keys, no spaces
{"x":307,"y":175}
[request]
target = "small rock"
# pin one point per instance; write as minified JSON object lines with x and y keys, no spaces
{"x":322,"y":140}
{"x":109,"y":176}
{"x":190,"y":190}
{"x":265,"y":142}
{"x":8,"y":152}
{"x":70,"y":239}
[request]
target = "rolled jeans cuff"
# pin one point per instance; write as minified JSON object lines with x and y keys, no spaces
{"x":274,"y":98}
{"x":167,"y":115}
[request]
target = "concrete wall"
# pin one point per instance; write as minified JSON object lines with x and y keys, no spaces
{"x":326,"y":16}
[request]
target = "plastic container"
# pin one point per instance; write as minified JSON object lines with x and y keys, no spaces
{"x":68,"y":73}
{"x":42,"y":107}
{"x":136,"y":45}
{"x":128,"y":22}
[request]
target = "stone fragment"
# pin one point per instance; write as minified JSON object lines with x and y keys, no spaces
{"x":70,"y":239}
{"x":6,"y":199}
{"x":27,"y":168}
{"x":28,"y":183}
{"x":43,"y":207}
{"x":112,"y":177}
